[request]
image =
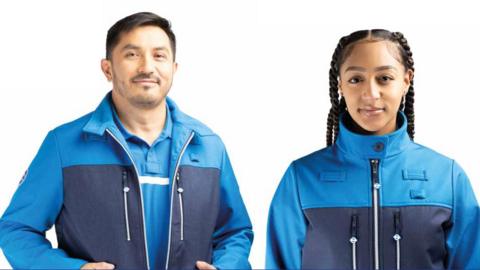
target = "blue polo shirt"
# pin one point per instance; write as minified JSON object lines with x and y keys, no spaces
{"x":153,"y":163}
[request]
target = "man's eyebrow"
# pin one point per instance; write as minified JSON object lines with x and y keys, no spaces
{"x":130,"y":47}
{"x":162,"y":48}
{"x":135,"y":47}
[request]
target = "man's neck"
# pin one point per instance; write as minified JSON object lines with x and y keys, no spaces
{"x":144,"y":123}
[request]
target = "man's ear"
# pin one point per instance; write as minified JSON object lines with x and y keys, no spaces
{"x":175,"y":67}
{"x":106,"y":66}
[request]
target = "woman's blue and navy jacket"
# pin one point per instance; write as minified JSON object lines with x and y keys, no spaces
{"x":77,"y":179}
{"x":374,"y":202}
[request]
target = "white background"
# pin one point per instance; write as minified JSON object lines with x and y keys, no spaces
{"x":256,"y":72}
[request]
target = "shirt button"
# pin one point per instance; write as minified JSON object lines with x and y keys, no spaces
{"x":378,"y":147}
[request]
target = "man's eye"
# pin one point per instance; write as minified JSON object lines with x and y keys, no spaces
{"x":130,"y":54}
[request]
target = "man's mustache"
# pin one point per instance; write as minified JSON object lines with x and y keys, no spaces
{"x":145,"y":76}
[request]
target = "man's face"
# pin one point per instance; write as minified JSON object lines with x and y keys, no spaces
{"x":141,"y":67}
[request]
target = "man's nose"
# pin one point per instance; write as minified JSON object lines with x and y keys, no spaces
{"x":146,"y":65}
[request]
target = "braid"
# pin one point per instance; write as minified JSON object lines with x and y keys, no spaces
{"x":338,"y":106}
{"x":407,"y":108}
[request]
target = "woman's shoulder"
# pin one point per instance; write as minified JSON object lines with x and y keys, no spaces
{"x":421,"y":151}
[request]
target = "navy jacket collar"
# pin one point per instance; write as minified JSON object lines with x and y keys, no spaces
{"x":373,"y":146}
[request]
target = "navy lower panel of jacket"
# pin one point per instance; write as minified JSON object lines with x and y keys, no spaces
{"x":332,"y":228}
{"x":92,"y":236}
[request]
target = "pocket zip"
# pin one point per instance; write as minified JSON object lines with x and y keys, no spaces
{"x":354,"y":240}
{"x":180,"y":199}
{"x":126,"y":189}
{"x":397,"y":237}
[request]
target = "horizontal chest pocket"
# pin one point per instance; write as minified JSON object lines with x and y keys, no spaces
{"x":414,"y":174}
{"x":417,"y":192}
{"x":333,"y":176}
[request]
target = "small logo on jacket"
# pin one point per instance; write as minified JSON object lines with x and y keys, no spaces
{"x":23,"y":178}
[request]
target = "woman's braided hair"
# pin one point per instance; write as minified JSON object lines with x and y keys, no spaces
{"x":343,"y":49}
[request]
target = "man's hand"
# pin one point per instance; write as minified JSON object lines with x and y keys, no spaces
{"x":98,"y":265}
{"x":205,"y":266}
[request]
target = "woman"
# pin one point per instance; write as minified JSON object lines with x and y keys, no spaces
{"x":373,"y":198}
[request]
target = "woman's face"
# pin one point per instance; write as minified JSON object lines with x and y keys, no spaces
{"x":373,"y":83}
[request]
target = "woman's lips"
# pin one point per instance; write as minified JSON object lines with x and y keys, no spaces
{"x":371,"y":111}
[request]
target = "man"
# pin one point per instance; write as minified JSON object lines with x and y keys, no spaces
{"x":134,"y":184}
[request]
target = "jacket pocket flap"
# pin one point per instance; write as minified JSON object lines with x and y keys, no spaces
{"x":409,"y":174}
{"x":333,"y":176}
{"x":194,"y":157}
{"x":418,"y":194}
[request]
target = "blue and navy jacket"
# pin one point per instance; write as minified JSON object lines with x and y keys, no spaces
{"x":78,"y":181}
{"x":374,"y":202}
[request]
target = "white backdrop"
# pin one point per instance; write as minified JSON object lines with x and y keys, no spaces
{"x":256,"y":72}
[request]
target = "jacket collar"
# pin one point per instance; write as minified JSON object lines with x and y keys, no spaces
{"x":102,"y":118}
{"x":373,"y":146}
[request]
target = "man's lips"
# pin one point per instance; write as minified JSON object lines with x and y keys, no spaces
{"x":146,"y":81}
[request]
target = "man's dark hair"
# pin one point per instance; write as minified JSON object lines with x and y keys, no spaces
{"x":133,"y":21}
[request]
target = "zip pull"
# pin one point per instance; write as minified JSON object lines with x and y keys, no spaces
{"x":397,"y":236}
{"x":354,"y":240}
{"x":375,"y":178}
{"x":180,"y":199}
{"x":126,"y":189}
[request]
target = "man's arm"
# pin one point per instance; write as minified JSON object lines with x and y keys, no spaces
{"x":32,"y":211}
{"x":233,"y":234}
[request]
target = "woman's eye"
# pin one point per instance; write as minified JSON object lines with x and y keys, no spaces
{"x":354,"y":80}
{"x":385,"y":79}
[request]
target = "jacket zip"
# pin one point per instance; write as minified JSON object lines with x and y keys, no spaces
{"x":180,"y":199}
{"x":397,"y":236}
{"x":354,"y":240}
{"x":141,"y":196}
{"x":176,"y":178}
{"x":375,"y":187}
{"x":126,"y":189}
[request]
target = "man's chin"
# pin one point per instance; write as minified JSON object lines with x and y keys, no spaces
{"x":146,"y":103}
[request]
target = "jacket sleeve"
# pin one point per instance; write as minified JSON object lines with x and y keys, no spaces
{"x":463,"y":238}
{"x":233,"y":234}
{"x":286,"y":225}
{"x":32,"y":211}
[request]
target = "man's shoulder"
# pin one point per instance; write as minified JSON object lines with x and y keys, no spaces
{"x":74,"y":126}
{"x":182,"y":119}
{"x":196,"y":125}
